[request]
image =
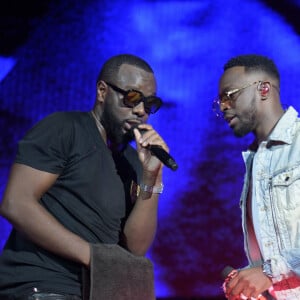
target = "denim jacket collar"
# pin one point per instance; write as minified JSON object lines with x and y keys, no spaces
{"x":283,"y":132}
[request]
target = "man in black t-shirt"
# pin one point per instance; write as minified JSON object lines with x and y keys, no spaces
{"x":74,"y":182}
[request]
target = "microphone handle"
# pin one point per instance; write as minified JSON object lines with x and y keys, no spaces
{"x":163,"y":156}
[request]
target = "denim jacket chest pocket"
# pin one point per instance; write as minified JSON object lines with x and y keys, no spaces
{"x":285,"y":188}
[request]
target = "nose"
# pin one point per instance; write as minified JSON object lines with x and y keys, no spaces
{"x":139,"y":109}
{"x":224,"y":105}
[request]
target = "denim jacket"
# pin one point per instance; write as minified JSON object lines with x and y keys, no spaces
{"x":277,"y":190}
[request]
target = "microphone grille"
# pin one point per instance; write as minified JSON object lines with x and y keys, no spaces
{"x":226,"y":271}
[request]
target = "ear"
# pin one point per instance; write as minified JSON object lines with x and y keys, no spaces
{"x":264,"y":89}
{"x":101,"y":91}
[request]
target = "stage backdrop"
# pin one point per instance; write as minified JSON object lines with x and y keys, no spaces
{"x":50,"y":60}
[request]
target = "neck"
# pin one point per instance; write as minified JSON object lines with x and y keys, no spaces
{"x":274,"y":119}
{"x":112,"y":146}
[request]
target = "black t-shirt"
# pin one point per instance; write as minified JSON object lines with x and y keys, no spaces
{"x":91,"y":197}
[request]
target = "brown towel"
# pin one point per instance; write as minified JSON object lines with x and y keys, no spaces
{"x":116,"y":274}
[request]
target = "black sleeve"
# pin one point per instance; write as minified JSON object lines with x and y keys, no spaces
{"x":46,"y":146}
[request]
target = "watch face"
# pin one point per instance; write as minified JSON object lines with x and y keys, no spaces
{"x":157,"y":189}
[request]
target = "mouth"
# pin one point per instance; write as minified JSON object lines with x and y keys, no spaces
{"x":130,"y":124}
{"x":229,"y":119}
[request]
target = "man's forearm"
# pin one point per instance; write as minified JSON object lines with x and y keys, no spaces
{"x":45,"y":231}
{"x":140,"y":227}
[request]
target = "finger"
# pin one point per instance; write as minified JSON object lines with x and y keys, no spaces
{"x":243,"y":297}
{"x":247,"y":292}
{"x":151,"y":137}
{"x":147,"y":136}
{"x":239,"y":294}
{"x":233,"y":281}
{"x":137,"y":134}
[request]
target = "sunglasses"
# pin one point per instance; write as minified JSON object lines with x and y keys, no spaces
{"x":132,"y":98}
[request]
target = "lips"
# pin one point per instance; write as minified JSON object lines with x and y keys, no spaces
{"x":131,"y":123}
{"x":229,"y":118}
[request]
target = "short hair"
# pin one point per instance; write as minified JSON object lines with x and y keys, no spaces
{"x":111,"y":67}
{"x":254,"y":62}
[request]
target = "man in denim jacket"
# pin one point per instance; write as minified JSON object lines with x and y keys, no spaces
{"x":249,"y":100}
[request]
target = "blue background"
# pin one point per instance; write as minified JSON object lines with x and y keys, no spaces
{"x":50,"y":58}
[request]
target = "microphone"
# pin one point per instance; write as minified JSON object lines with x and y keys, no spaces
{"x":160,"y":153}
{"x":227,"y":274}
{"x":226,"y":271}
{"x":163,"y":156}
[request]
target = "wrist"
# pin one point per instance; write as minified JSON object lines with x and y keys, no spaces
{"x":154,"y":177}
{"x":153,"y":189}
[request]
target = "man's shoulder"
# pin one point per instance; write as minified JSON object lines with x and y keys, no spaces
{"x":60,"y":123}
{"x":67,"y":115}
{"x":63,"y":118}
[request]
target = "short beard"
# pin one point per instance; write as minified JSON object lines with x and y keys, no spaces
{"x":243,"y":130}
{"x":113,"y":128}
{"x":247,"y":123}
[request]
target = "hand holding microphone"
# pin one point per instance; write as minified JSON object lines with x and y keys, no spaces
{"x":229,"y":274}
{"x":156,"y":149}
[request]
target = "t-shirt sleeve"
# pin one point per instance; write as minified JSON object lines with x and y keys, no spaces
{"x":45,"y":147}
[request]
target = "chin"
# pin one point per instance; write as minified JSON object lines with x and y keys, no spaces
{"x":240,"y":132}
{"x":123,"y":137}
{"x":239,"y":135}
{"x":128,"y":137}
